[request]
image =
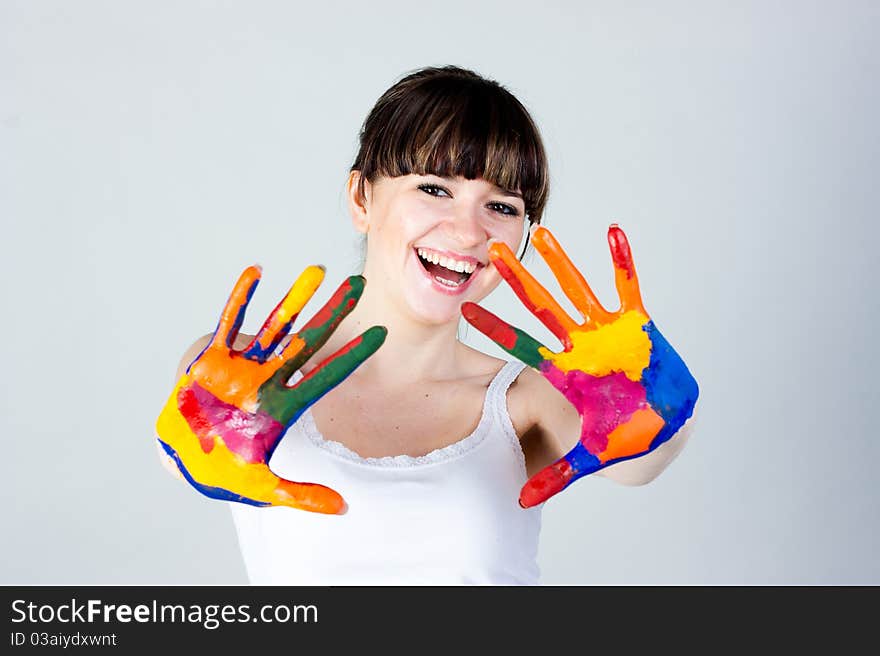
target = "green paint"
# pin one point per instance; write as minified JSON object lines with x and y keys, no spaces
{"x":525,"y":348}
{"x":285,"y":404}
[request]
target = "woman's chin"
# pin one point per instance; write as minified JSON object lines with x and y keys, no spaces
{"x":435,"y":312}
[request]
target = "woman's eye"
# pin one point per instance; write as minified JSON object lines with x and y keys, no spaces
{"x":505,"y":209}
{"x":435,"y":190}
{"x":432,"y":189}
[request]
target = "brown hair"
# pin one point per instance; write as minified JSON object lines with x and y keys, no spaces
{"x":450,"y":121}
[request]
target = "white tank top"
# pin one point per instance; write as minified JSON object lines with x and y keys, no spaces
{"x":449,"y":517}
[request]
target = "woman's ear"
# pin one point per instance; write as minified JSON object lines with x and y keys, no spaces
{"x":358,"y":204}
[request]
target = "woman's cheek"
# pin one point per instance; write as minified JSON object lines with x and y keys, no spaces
{"x":512,"y":235}
{"x":491,"y":280}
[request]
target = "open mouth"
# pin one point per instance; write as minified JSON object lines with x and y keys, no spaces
{"x":446,"y":276}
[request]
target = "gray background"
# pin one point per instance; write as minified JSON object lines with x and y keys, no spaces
{"x":150,"y":151}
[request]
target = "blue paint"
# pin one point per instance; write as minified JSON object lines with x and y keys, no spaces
{"x":209,"y":490}
{"x":260,"y":354}
{"x":669,"y":386}
{"x":582,"y":462}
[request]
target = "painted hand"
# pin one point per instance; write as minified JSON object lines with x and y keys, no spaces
{"x":230,"y":410}
{"x":631,"y":389}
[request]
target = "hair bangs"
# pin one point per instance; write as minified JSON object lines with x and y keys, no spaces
{"x":472,"y":134}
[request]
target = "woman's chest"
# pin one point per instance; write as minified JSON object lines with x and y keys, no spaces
{"x":411,"y":423}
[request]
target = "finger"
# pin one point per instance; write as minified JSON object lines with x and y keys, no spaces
{"x":314,"y":334}
{"x":277,"y":325}
{"x":336,"y":368}
{"x":309,"y":496}
{"x":570,"y":279}
{"x":513,"y":340}
{"x":286,"y":404}
{"x":625,"y":278}
{"x":233,"y":313}
{"x":305,"y":496}
{"x":556,"y":477}
{"x":537,"y":299}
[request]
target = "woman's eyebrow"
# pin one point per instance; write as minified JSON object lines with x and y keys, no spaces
{"x":507,"y":192}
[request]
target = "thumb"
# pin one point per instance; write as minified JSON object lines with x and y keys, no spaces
{"x":556,"y":477}
{"x":311,"y":497}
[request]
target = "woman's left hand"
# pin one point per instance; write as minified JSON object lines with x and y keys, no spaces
{"x":631,"y":389}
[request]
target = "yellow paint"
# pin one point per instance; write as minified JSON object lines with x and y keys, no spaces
{"x":219,"y":468}
{"x":294,"y":301}
{"x":618,"y":346}
{"x":224,"y":469}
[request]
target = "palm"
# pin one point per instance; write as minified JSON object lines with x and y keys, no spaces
{"x":231,"y":408}
{"x":631,"y":389}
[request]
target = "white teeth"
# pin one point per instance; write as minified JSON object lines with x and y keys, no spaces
{"x":448,"y":283}
{"x":447,"y":262}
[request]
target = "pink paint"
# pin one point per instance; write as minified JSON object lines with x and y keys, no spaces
{"x":603,"y":402}
{"x":251,"y":436}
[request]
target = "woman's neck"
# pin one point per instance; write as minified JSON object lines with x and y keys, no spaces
{"x":412,"y":352}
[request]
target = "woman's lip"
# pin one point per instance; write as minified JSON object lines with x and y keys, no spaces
{"x":439,"y":286}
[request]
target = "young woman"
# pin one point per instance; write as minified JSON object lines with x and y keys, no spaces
{"x":426,"y":461}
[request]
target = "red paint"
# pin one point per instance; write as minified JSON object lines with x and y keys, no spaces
{"x":490,"y":325}
{"x":325,"y":314}
{"x":270,"y":330}
{"x":547,"y":482}
{"x":192,"y":412}
{"x":620,"y":251}
{"x":546,"y":316}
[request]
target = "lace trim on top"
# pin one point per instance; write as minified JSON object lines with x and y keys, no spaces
{"x":498,"y":387}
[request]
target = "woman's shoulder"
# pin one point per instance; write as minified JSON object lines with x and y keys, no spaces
{"x":537,"y":407}
{"x":479,"y":365}
{"x":528,"y":391}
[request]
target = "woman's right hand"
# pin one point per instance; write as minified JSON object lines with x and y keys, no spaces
{"x":231,"y":408}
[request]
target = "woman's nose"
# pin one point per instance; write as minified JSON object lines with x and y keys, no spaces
{"x":468,"y":229}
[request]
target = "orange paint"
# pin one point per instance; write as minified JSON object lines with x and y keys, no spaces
{"x":572,"y":282}
{"x":532,"y":293}
{"x":237,"y":380}
{"x":633,"y":437}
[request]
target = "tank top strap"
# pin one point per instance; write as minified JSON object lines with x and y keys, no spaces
{"x":496,"y":406}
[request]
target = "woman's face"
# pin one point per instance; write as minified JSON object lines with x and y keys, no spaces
{"x":428,"y":239}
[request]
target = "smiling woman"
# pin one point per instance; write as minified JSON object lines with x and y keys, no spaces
{"x":416,"y":447}
{"x":452,"y":122}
